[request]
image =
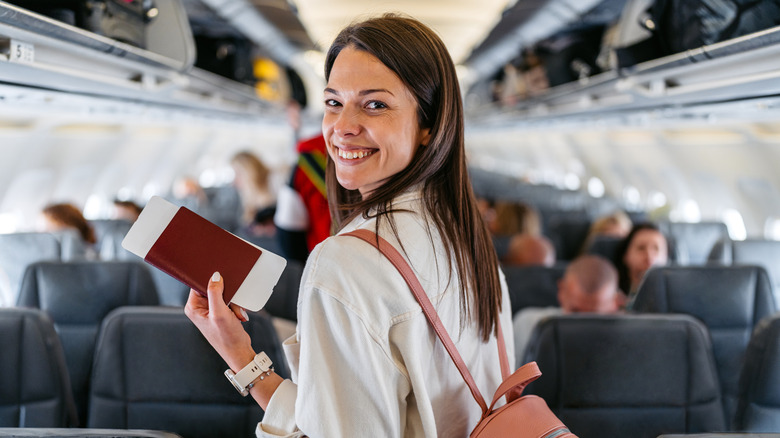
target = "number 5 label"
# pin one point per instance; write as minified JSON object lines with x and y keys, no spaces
{"x":21,"y":52}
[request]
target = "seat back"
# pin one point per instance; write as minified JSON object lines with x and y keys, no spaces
{"x":533,"y":286}
{"x":693,"y":242}
{"x":17,"y":251}
{"x":759,"y":252}
{"x":730,"y":300}
{"x":605,"y":246}
{"x":154,"y":370}
{"x":34,"y":385}
{"x":78,"y":295}
{"x":627,"y":375}
{"x":568,"y":233}
{"x":758,"y":409}
{"x":109,"y":234}
{"x":283,"y":302}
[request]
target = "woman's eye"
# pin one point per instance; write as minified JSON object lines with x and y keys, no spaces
{"x":375,"y":104}
{"x":331,"y":102}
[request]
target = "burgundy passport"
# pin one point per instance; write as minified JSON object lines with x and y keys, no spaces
{"x":190,"y":249}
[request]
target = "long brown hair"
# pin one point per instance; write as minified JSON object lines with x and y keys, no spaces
{"x":420,"y":59}
{"x":68,"y":215}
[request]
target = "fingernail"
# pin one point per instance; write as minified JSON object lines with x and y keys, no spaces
{"x":215,"y":277}
{"x":243,"y":313}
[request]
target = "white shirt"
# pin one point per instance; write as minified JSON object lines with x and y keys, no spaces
{"x":364,"y":360}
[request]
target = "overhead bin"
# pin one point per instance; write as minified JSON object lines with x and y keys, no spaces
{"x":37,"y":51}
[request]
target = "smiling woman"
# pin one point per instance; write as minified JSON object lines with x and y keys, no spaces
{"x":363,"y":357}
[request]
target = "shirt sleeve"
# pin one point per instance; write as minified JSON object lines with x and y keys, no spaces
{"x":348,"y":383}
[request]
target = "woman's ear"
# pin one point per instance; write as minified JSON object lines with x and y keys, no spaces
{"x":425,"y":136}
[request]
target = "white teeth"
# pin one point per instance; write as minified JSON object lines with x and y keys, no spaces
{"x":353,"y":155}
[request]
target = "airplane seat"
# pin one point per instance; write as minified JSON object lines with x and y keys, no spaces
{"x":73,"y":246}
{"x":694,"y":241}
{"x":758,"y":409}
{"x":77,"y":295}
{"x":729,"y":300}
{"x":501,"y":245}
{"x":110,"y":233}
{"x":604,"y":246}
{"x":34,"y":385}
{"x":761,"y":252}
{"x":627,"y":375}
{"x":533,"y":286}
{"x":283,"y":302}
{"x":175,"y":382}
{"x":722,"y":435}
{"x":17,"y":251}
{"x":171,"y":291}
{"x":568,"y":233}
{"x":223,"y":207}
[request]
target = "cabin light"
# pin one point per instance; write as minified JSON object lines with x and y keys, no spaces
{"x":208,"y":178}
{"x":631,"y":195}
{"x":689,"y":211}
{"x":96,"y":207}
{"x":125,"y":193}
{"x":772,"y":228}
{"x":571,"y":181}
{"x":736,"y":226}
{"x":596,"y":187}
{"x":8,"y":223}
{"x":656,"y":200}
{"x":150,"y":189}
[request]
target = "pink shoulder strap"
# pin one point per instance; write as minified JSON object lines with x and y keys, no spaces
{"x":407,"y":273}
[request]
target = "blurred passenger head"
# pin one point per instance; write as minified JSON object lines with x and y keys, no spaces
{"x":64,"y":216}
{"x":251,"y":173}
{"x":590,"y":284}
{"x":617,"y":224}
{"x":515,"y":218}
{"x":644,"y":247}
{"x":530,"y":250}
{"x":126,"y":210}
{"x":187,"y":187}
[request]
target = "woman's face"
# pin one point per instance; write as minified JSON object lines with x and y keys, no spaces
{"x":647,"y":249}
{"x":370,"y":123}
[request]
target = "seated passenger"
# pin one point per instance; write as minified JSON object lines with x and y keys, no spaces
{"x":513,"y":218}
{"x":644,"y":247}
{"x":617,"y":225}
{"x":589,"y":285}
{"x":252,"y":181}
{"x":64,"y":216}
{"x":126,"y":210}
{"x":529,"y":250}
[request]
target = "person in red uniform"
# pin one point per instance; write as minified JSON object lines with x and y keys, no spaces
{"x":302,"y":216}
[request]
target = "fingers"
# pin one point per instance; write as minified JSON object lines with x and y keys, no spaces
{"x":215,"y":288}
{"x":240,"y":312}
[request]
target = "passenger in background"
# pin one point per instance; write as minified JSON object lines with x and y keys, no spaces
{"x":644,"y":247}
{"x":252,"y":181}
{"x":589,"y":285}
{"x":529,"y":250}
{"x":187,"y":192}
{"x":513,"y":218}
{"x":302,"y":215}
{"x":616,"y":225}
{"x":126,"y":210}
{"x":506,"y":220}
{"x":65,"y":216}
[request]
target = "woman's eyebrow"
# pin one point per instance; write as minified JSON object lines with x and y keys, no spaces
{"x":363,"y":92}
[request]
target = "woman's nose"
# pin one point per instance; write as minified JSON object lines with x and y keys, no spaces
{"x":347,"y":123}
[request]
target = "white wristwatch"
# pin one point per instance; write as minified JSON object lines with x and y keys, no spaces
{"x":260,"y":368}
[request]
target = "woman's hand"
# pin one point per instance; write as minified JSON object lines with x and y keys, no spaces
{"x":220,"y":324}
